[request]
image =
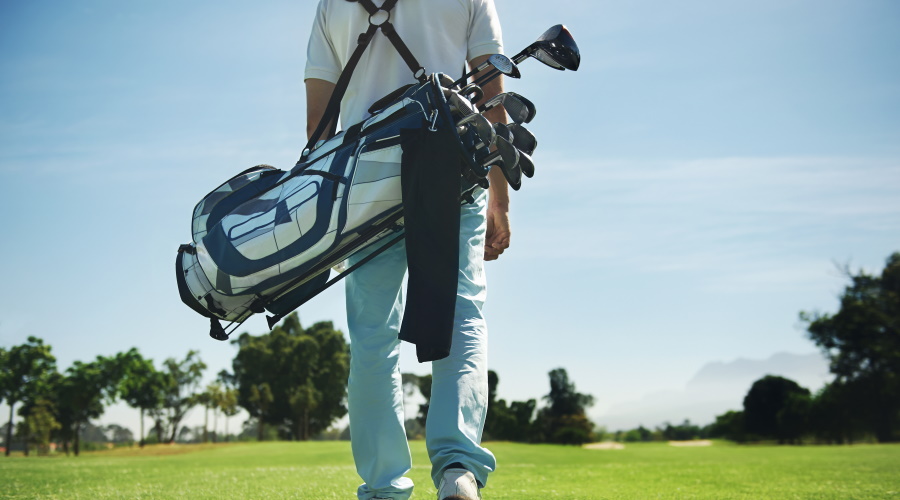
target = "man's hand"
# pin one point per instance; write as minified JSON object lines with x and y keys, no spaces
{"x":498,"y":233}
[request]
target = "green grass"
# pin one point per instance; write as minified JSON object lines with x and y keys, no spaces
{"x":321,"y":470}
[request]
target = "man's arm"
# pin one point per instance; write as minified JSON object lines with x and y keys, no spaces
{"x":498,"y":234}
{"x":318,"y":93}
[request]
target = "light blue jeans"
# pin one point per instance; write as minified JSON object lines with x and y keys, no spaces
{"x":459,"y":391}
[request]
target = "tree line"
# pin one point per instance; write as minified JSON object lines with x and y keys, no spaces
{"x":292,"y":382}
{"x":862,"y":343}
{"x":291,"y":377}
{"x":861,"y":403}
{"x":58,"y":406}
{"x":562,"y":420}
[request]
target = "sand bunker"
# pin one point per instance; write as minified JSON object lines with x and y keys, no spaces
{"x":697,"y":442}
{"x":605,"y":446}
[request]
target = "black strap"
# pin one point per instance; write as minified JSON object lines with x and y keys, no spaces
{"x":332,"y":110}
{"x":334,"y":104}
{"x":391,"y":33}
{"x":410,"y":60}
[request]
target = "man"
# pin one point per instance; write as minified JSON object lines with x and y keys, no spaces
{"x":442,"y":35}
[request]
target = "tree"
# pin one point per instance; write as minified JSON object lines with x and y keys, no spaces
{"x":305,"y":371}
{"x":412,"y":384}
{"x":564,"y":420}
{"x":729,"y":425}
{"x":684,"y":432}
{"x":4,"y":361}
{"x":180,"y":393}
{"x":640,"y":434}
{"x":768,"y":397}
{"x":118,"y":434}
{"x":82,"y":393}
{"x":862,"y":340}
{"x":833,"y":415}
{"x":793,"y":419}
{"x":39,"y":424}
{"x":228,"y":404}
{"x":260,"y":399}
{"x":563,"y":398}
{"x":511,"y":422}
{"x":210,"y":399}
{"x":142,"y":387}
{"x":23,"y":368}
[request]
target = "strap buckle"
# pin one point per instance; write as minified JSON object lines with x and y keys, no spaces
{"x":433,"y":121}
{"x":379,"y":17}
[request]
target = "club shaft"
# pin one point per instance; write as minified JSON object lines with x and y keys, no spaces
{"x":521,"y":56}
{"x":470,"y":73}
{"x":488,"y":77}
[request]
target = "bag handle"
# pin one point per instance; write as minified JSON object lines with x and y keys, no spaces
{"x":377,"y":21}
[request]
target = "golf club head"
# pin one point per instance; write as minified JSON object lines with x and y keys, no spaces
{"x":480,"y":126}
{"x":507,"y":158}
{"x":504,"y":65}
{"x":523,"y":139}
{"x":556,"y":48}
{"x":481,"y":158}
{"x":511,"y":71}
{"x":445,"y":81}
{"x":499,"y":63}
{"x":459,"y":105}
{"x":503,"y":131}
{"x":472,"y":92}
{"x":526,"y":164}
{"x":519,"y":109}
{"x":476,"y":179}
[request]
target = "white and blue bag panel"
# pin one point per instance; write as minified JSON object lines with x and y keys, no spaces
{"x":266,"y":237}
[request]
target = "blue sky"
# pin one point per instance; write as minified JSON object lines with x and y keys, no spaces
{"x":697,"y":179}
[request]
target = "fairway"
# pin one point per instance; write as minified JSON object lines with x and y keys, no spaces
{"x":320,"y":470}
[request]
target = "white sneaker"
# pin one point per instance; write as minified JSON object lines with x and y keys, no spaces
{"x":458,"y":484}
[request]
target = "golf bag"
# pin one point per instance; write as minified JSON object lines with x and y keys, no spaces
{"x":266,"y":239}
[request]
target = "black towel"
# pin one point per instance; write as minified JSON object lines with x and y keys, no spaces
{"x":430,"y":179}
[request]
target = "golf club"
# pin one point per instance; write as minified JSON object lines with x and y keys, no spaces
{"x":503,"y":131}
{"x":475,"y":179}
{"x":523,"y":139}
{"x":495,"y":72}
{"x":480,"y":126}
{"x":526,"y":164}
{"x":499,"y":62}
{"x":507,"y":158}
{"x":519,"y":109}
{"x":445,"y":80}
{"x":459,"y":104}
{"x":472,"y":92}
{"x":555,"y":47}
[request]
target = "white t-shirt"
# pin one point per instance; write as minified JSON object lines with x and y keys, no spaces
{"x":441,"y":34}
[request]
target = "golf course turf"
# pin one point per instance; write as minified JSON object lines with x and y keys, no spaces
{"x":322,"y":470}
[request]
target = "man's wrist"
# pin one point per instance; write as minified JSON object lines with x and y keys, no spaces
{"x":499,"y":206}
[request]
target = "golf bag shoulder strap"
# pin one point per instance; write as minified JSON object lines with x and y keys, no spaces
{"x":332,"y":110}
{"x":388,"y":29}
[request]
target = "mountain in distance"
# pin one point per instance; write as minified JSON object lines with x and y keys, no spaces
{"x":808,"y":370}
{"x":716,"y":388}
